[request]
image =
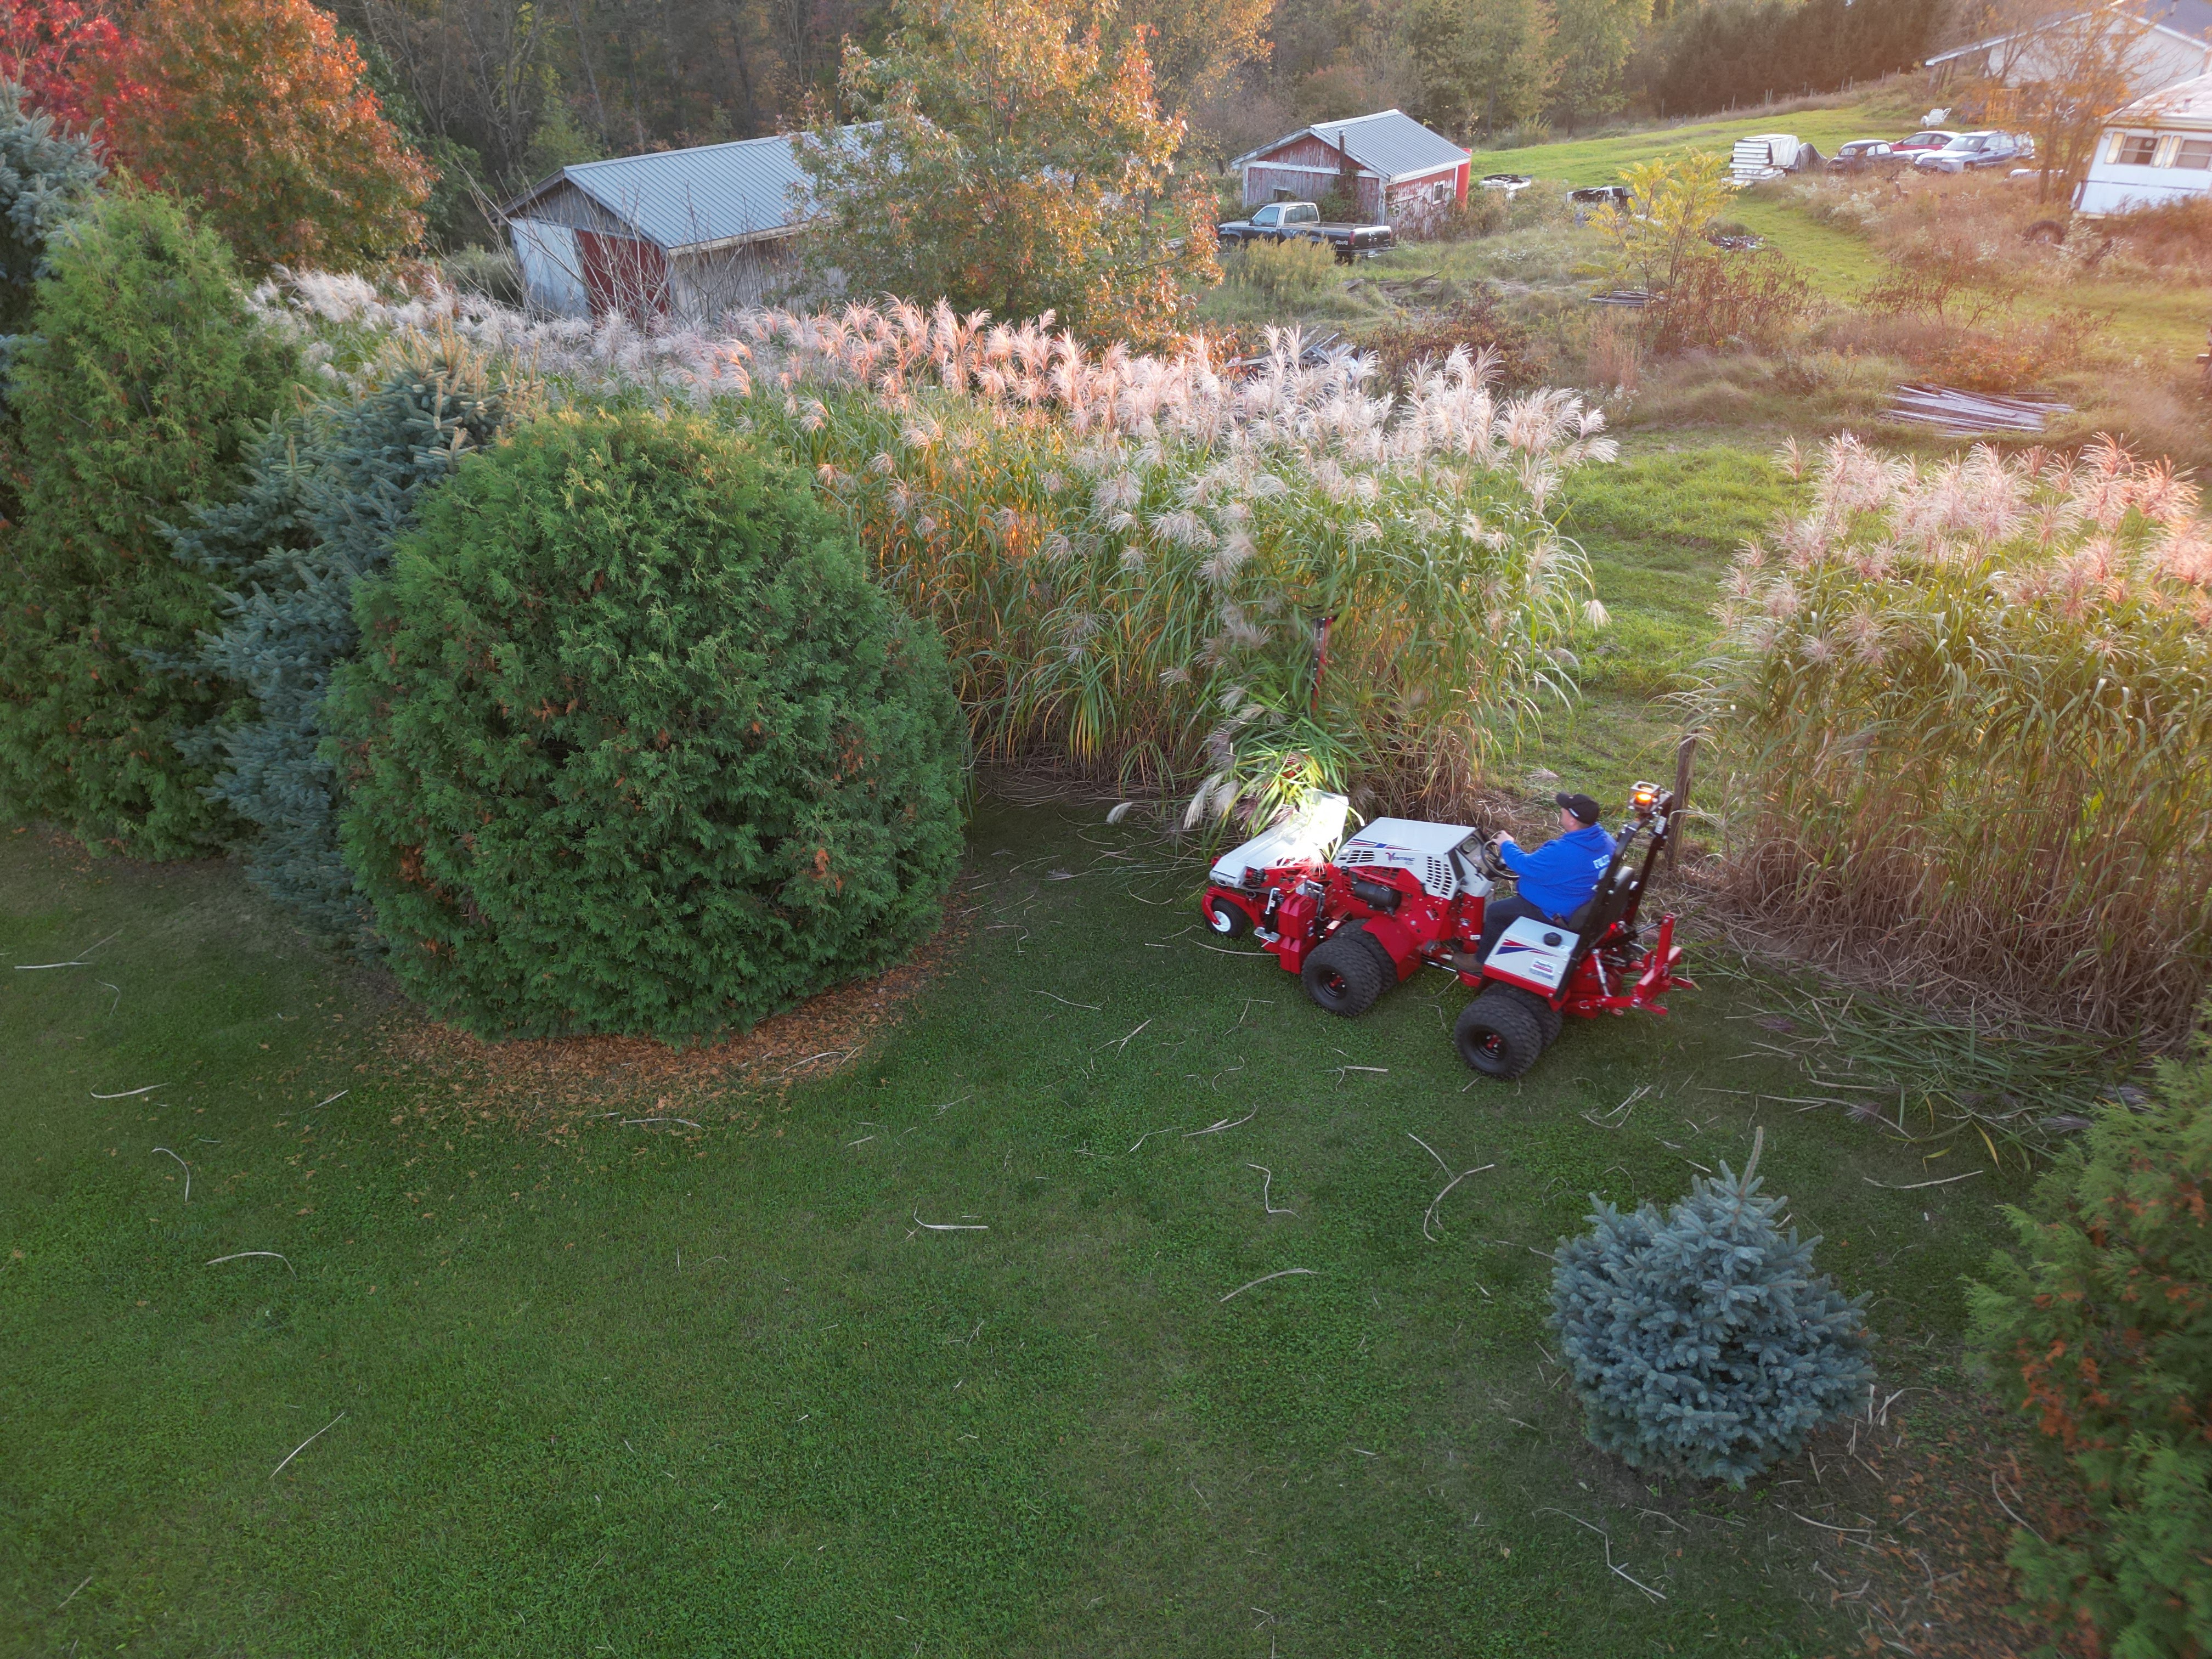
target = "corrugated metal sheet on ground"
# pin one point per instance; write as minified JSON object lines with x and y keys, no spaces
{"x":1959,"y":414}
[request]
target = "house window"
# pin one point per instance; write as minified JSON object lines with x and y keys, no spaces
{"x":2195,"y":154}
{"x":2132,"y":149}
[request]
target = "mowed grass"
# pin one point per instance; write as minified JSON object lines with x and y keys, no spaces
{"x":1659,"y":527}
{"x":1599,"y":160}
{"x":585,"y":1386}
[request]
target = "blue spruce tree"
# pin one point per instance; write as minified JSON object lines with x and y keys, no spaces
{"x":331,"y":489}
{"x":44,"y":177}
{"x":1702,"y":1342}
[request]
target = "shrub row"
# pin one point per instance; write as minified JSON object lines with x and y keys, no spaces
{"x":635,"y":744}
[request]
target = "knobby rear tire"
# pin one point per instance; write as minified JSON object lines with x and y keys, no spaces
{"x":1499,"y":1033}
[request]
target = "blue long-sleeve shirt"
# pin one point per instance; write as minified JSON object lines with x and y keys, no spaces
{"x":1562,"y":873}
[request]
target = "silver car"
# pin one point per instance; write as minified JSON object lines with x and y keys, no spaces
{"x":1989,"y":148}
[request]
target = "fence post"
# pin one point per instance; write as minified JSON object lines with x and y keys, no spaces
{"x":1685,"y":752}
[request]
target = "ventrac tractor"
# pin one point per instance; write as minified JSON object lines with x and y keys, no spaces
{"x":1400,"y":896}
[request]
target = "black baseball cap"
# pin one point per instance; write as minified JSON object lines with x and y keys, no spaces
{"x":1583,"y":808}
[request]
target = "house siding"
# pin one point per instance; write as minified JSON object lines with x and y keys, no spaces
{"x":1306,"y":167}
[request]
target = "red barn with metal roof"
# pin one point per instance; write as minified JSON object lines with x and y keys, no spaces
{"x":1396,"y":171}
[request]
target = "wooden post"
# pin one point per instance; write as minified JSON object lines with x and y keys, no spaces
{"x":1685,"y":752}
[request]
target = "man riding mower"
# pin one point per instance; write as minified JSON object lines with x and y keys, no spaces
{"x":1402,"y":894}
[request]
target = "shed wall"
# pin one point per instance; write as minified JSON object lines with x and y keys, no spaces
{"x":552,"y":270}
{"x":703,"y":286}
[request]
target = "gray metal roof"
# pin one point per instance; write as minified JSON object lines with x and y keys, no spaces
{"x":2191,"y":18}
{"x":1390,"y":142}
{"x":681,"y":198}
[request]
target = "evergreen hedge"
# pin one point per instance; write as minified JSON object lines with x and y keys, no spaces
{"x":2100,"y":1328}
{"x":634,"y":745}
{"x":1702,"y":1342}
{"x":140,"y":391}
{"x":326,"y":495}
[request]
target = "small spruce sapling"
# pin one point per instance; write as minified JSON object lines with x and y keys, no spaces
{"x":1702,"y":1342}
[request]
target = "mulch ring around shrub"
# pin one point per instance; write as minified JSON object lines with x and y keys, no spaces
{"x":557,"y":1083}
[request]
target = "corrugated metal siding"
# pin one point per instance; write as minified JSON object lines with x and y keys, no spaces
{"x":682,"y":197}
{"x":679,"y":198}
{"x":1390,"y":143}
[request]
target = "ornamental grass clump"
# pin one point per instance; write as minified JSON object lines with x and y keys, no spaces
{"x":1964,"y":711}
{"x":2100,"y":1328}
{"x":1702,"y":1342}
{"x":633,"y":744}
{"x":1161,"y":569}
{"x":1277,"y":579}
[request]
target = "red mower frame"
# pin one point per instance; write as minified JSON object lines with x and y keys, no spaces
{"x":1375,"y":914}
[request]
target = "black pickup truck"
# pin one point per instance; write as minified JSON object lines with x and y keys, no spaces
{"x":1279,"y":221}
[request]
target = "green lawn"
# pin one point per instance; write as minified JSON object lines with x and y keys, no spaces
{"x":1659,"y":527}
{"x":642,"y":1389}
{"x":1599,"y":161}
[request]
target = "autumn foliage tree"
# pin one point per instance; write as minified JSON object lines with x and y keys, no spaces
{"x":262,"y":113}
{"x":1011,"y":160}
{"x":67,"y":58}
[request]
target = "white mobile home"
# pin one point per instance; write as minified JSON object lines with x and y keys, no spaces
{"x":2157,"y":150}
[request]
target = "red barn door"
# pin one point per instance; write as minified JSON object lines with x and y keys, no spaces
{"x":624,"y":274}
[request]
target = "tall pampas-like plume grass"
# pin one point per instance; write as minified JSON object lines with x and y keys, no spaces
{"x":1966,"y":728}
{"x":1135,"y":559}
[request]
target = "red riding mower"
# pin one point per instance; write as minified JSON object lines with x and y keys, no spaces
{"x":1401,"y":895}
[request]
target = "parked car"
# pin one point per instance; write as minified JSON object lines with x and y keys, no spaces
{"x":1511,"y":183}
{"x":1923,"y":143}
{"x":1987,"y":148}
{"x":1283,"y":222}
{"x":1866,"y":156}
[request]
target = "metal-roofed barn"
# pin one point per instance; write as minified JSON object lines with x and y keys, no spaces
{"x":682,"y":232}
{"x":1396,"y":171}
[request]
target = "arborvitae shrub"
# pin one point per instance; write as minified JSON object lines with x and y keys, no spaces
{"x":2100,"y":1328}
{"x":1703,"y":1343}
{"x":139,"y":392}
{"x":634,"y":745}
{"x":327,"y":497}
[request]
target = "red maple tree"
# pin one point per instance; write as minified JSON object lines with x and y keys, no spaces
{"x":260,"y":112}
{"x":66,"y":57}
